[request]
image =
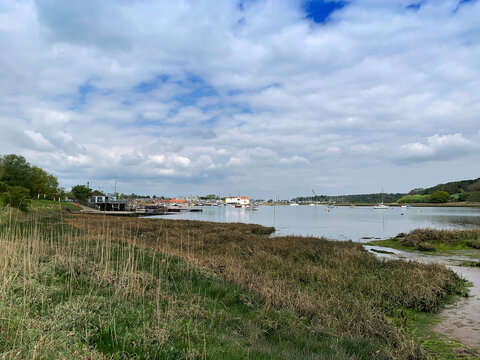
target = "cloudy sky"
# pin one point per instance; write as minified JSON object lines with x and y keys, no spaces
{"x":260,"y":97}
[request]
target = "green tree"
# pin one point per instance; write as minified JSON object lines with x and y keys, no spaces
{"x":81,"y":192}
{"x":16,"y":171}
{"x":43,"y":183}
{"x":439,"y":197}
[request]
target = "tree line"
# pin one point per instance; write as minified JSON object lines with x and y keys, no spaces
{"x":20,"y":182}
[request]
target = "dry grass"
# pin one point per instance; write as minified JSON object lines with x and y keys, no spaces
{"x":427,"y":239}
{"x":77,"y":293}
{"x":335,"y":287}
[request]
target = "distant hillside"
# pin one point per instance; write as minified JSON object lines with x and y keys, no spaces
{"x":463,"y":190}
{"x":353,"y":199}
{"x":455,"y":187}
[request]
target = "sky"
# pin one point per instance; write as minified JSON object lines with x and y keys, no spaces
{"x":269,"y":99}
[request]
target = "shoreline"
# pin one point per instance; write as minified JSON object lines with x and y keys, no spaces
{"x":450,"y":204}
{"x":460,"y":320}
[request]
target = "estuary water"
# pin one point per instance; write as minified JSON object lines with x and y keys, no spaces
{"x":341,"y":223}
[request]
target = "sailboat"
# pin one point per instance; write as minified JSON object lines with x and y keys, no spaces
{"x":381,"y":206}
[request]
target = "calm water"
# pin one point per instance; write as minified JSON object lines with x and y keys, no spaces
{"x":341,"y":223}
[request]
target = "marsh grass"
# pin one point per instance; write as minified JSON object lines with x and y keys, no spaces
{"x":433,"y":239}
{"x":324,"y":287}
{"x":101,"y":290}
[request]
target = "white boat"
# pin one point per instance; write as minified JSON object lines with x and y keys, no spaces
{"x":293,"y":204}
{"x":381,"y":206}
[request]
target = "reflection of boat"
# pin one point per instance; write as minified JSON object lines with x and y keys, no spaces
{"x":252,"y":207}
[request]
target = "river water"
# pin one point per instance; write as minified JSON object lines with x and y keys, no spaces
{"x":340,"y":223}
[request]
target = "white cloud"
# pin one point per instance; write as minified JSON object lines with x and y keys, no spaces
{"x":438,"y":147}
{"x":294,"y":160}
{"x":39,"y":142}
{"x":189,"y":90}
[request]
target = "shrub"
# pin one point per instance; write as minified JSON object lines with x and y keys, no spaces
{"x":18,"y":197}
{"x":474,"y":243}
{"x":425,"y":246}
{"x":439,"y":197}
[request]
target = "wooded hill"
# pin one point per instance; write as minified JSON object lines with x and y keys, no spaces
{"x":463,"y":190}
{"x":353,"y":199}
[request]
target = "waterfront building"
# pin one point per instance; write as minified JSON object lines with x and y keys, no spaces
{"x":237,"y":200}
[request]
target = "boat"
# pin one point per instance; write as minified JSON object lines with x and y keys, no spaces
{"x":293,"y":204}
{"x":381,"y":206}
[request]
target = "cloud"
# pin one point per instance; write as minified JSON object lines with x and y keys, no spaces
{"x":294,"y":160}
{"x":438,"y":148}
{"x":38,"y":141}
{"x":190,"y":96}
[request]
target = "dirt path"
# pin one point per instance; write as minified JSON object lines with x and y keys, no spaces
{"x":460,"y":321}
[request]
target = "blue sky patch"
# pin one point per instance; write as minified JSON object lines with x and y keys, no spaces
{"x":84,"y":90}
{"x":197,"y":87}
{"x":461,"y":3}
{"x":415,"y":6}
{"x":147,"y":86}
{"x":320,"y":10}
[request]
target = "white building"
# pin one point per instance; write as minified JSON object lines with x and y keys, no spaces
{"x":237,"y":200}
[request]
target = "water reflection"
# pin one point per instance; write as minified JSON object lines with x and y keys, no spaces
{"x":342,"y":223}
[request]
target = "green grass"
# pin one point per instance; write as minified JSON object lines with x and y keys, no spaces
{"x":390,"y":243}
{"x":68,"y":295}
{"x":438,"y":346}
{"x":440,"y":249}
{"x":40,"y":203}
{"x":146,"y":289}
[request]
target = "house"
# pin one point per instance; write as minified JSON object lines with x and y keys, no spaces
{"x":100,"y":201}
{"x":237,"y":200}
{"x":97,"y":197}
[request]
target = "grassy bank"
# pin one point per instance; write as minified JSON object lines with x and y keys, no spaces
{"x":99,"y":287}
{"x":434,"y":240}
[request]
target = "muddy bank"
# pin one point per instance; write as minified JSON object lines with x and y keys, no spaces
{"x":460,"y":321}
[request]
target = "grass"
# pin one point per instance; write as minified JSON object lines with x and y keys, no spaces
{"x":444,"y":241}
{"x":437,"y":345}
{"x":335,"y":287}
{"x":97,"y":287}
{"x":41,"y":203}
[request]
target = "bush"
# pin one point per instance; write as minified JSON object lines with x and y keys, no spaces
{"x":474,"y":243}
{"x":439,"y":197}
{"x":425,"y":246}
{"x":414,"y":199}
{"x":17,"y":197}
